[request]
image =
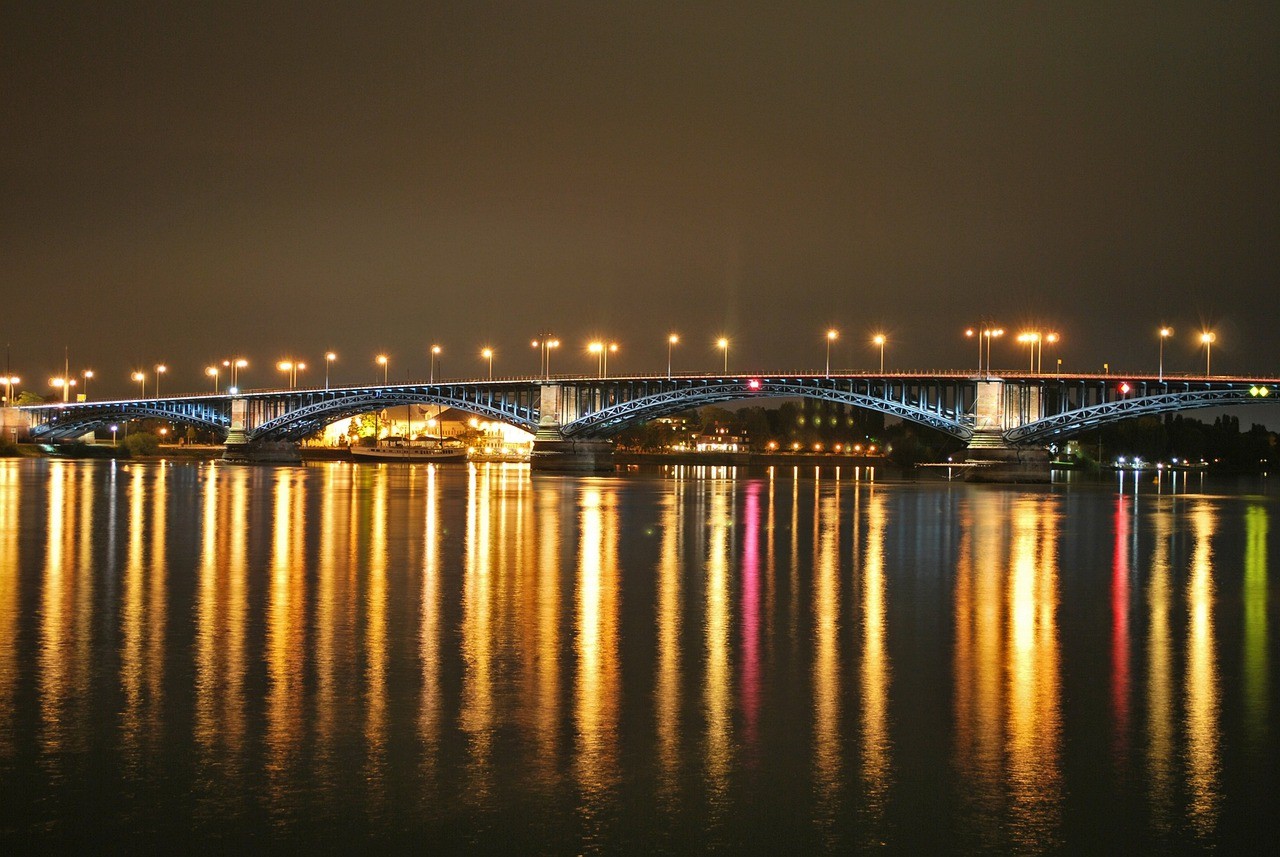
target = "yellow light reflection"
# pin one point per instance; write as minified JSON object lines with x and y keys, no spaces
{"x":1203,"y":762}
{"x":718,"y":691}
{"x":1256,"y":685}
{"x":53,"y":659}
{"x":375,"y":727}
{"x":10,"y":593}
{"x":876,"y":746}
{"x":546,"y":625}
{"x":668,"y":609}
{"x":826,"y":658}
{"x":598,"y":679}
{"x":1034,"y":718}
{"x":286,"y":640}
{"x":477,"y":716}
{"x":1160,"y":701}
{"x":429,"y":706}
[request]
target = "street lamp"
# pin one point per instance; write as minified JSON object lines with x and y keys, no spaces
{"x":879,"y":339}
{"x":141,"y":378}
{"x":988,"y":335}
{"x":329,"y":357}
{"x":235,"y":364}
{"x":1207,"y":338}
{"x":290,"y":368}
{"x":1165,"y":333}
{"x":86,"y":374}
{"x":160,"y":370}
{"x":212,"y":372}
{"x":831,"y":337}
{"x":63,"y":384}
{"x":602,"y":352}
{"x":435,"y":356}
{"x":545,"y":342}
{"x":382,"y":361}
{"x":1030,"y":340}
{"x":671,"y":343}
{"x":1052,"y":339}
{"x":9,"y":382}
{"x":723,"y":344}
{"x":487,"y":354}
{"x":114,"y":428}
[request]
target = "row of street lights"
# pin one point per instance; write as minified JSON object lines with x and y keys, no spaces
{"x":546,"y":343}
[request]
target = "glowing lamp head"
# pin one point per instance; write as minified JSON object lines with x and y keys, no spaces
{"x":1207,"y":337}
{"x":722,"y":343}
{"x":330,"y":356}
{"x":381,"y":360}
{"x":879,"y":339}
{"x":1166,"y":332}
{"x":673,"y":339}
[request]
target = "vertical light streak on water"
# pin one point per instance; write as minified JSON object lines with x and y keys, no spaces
{"x":770,"y":570}
{"x":598,"y":679}
{"x":875,"y":673}
{"x":209,"y":627}
{"x":827,"y":774}
{"x":1202,"y":726}
{"x":86,"y":575}
{"x":750,"y":679}
{"x":10,"y":602}
{"x":1256,"y":689}
{"x":1034,"y":740}
{"x":375,"y":644}
{"x":718,"y":690}
{"x":429,"y":707}
{"x":157,"y":613}
{"x":793,"y":617}
{"x":667,"y":698}
{"x":1120,"y":570}
{"x":131,"y":608}
{"x":547,"y":713}
{"x":326,"y":622}
{"x":477,"y":715}
{"x":237,"y":619}
{"x":979,"y":664}
{"x":53,"y":659}
{"x":286,"y":648}
{"x":1160,"y":701}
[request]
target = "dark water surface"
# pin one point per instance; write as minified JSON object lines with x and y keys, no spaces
{"x":202,"y":657}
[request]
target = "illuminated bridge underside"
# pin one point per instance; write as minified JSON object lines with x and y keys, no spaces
{"x":1085,"y":419}
{"x":310,"y":412}
{"x":67,"y":423}
{"x":934,"y":404}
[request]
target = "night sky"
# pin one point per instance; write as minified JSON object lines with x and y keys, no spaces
{"x":187,"y":181}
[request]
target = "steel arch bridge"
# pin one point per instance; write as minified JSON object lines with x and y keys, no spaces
{"x":65,"y":422}
{"x":1018,"y":409}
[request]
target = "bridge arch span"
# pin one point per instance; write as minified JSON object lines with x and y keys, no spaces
{"x":930,"y":408}
{"x":1079,"y":420}
{"x":53,"y":423}
{"x":308,"y":418}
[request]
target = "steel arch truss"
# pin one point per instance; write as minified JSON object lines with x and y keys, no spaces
{"x":308,"y":417}
{"x":70,"y":421}
{"x":1083,"y":419}
{"x":878,"y":396}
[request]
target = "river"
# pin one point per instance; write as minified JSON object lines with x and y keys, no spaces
{"x":203,"y":657}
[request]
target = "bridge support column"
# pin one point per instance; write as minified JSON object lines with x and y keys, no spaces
{"x":992,"y":459}
{"x":242,"y":450}
{"x":553,"y":452}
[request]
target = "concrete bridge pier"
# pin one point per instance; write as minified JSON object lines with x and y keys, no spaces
{"x":240,"y":449}
{"x":553,"y":452}
{"x":997,"y":408}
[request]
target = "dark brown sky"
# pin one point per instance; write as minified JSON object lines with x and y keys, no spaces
{"x":181,"y":181}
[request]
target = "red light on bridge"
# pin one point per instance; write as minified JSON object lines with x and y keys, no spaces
{"x":1124,"y":388}
{"x":754,"y":383}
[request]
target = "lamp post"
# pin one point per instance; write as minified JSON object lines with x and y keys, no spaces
{"x":212,"y":372}
{"x":880,"y":339}
{"x":487,"y":354}
{"x":1052,"y":339}
{"x":1165,"y":333}
{"x":63,"y":384}
{"x":1030,"y":340}
{"x":1207,"y":338}
{"x":114,"y":427}
{"x":382,"y":361}
{"x":160,"y":370}
{"x":235,"y":364}
{"x":329,"y":357}
{"x":831,"y":337}
{"x":602,"y":351}
{"x":545,"y":343}
{"x":290,"y":368}
{"x":87,"y":374}
{"x":672,"y":339}
{"x":141,"y":378}
{"x":723,"y":344}
{"x":988,"y":335}
{"x":973,"y":334}
{"x":435,"y":357}
{"x":9,"y":382}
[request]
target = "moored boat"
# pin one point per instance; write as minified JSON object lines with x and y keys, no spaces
{"x":420,"y":450}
